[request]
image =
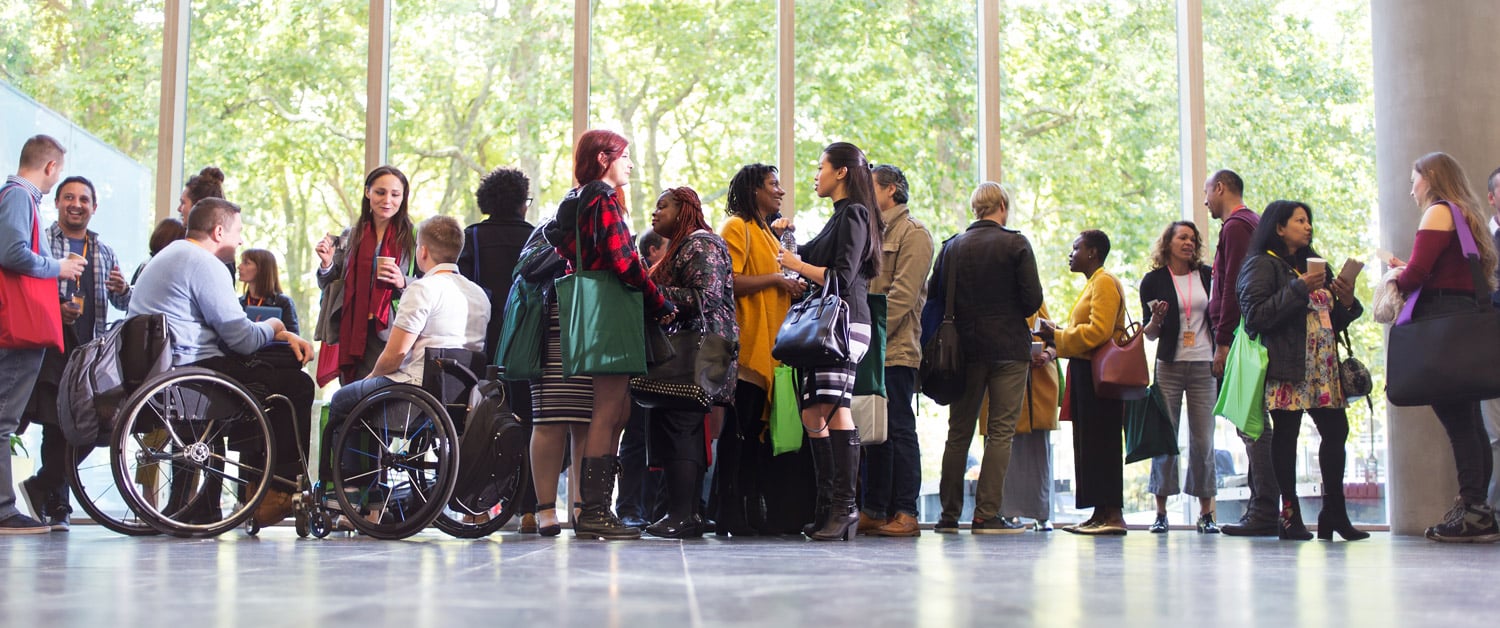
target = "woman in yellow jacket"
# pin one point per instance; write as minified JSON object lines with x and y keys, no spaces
{"x":1097,"y":423}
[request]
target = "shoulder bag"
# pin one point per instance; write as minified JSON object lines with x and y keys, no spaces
{"x":30,"y":314}
{"x":816,"y":330}
{"x":942,"y":370}
{"x":1119,"y":365}
{"x":603,"y":321}
{"x":1242,"y":398}
{"x":1447,"y":357}
{"x":697,"y":374}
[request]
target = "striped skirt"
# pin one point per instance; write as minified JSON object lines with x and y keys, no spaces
{"x":554,"y":398}
{"x":835,"y":384}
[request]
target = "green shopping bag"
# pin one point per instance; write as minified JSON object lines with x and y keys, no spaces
{"x":786,"y":413}
{"x":1242,"y":398}
{"x":1148,"y":428}
{"x":520,"y":346}
{"x":603,"y":325}
{"x":869,"y":376}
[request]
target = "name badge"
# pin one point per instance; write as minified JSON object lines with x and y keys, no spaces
{"x":1325,"y":320}
{"x":1189,"y":338}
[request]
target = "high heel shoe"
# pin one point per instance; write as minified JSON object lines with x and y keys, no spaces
{"x":1291,"y":527}
{"x":546,"y":520}
{"x":1338,"y":522}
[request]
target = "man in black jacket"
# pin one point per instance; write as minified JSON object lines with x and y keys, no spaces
{"x":995,"y":286}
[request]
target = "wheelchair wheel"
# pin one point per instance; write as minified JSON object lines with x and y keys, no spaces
{"x":512,"y":472}
{"x":94,"y":489}
{"x":207,"y":443}
{"x":395,"y":460}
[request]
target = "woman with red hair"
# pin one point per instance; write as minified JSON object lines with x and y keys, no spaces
{"x":696,"y":274}
{"x":601,"y":165}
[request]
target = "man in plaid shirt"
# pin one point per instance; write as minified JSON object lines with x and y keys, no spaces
{"x":83,"y":312}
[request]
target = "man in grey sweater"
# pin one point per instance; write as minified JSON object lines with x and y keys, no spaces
{"x":20,"y":255}
{"x":210,"y":330}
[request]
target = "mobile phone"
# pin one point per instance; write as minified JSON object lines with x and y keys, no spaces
{"x":1351,"y":269}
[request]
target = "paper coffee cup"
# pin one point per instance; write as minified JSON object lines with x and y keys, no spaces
{"x":1315,"y":264}
{"x":72,"y":255}
{"x":381,"y":260}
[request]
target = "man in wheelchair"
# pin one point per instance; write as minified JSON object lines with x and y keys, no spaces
{"x":442,"y":310}
{"x":185,"y":282}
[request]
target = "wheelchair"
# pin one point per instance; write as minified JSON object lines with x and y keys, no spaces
{"x":192,"y":450}
{"x":396,"y":466}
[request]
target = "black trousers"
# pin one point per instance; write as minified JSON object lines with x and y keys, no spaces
{"x":675,"y":436}
{"x":639,"y":486}
{"x":289,"y":432}
{"x":1333,"y":427}
{"x":1098,"y":428}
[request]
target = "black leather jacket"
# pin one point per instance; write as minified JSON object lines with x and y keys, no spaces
{"x":1273,"y":301}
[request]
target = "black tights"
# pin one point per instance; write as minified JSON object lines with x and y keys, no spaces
{"x":1333,"y":426}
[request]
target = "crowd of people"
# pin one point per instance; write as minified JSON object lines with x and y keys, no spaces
{"x":392,"y":290}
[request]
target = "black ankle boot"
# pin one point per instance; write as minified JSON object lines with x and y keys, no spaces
{"x":843,"y":517}
{"x":596,"y":487}
{"x":822,"y":455}
{"x":1292,"y":528}
{"x":1335,"y":517}
{"x":684,"y":483}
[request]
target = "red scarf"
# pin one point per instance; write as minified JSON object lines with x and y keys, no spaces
{"x":367,"y":302}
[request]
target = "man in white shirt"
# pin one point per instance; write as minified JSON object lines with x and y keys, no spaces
{"x":442,"y":310}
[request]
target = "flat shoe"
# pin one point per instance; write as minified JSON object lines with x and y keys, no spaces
{"x":1104,"y":529}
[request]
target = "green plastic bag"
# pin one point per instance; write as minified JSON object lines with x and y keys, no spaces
{"x":603,"y":325}
{"x":1148,"y":428}
{"x":1242,"y":398}
{"x":520,"y":345}
{"x":869,"y":377}
{"x":786,"y":412}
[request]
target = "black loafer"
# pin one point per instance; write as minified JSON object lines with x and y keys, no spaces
{"x":1251,"y":528}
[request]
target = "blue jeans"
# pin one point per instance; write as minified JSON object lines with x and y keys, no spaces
{"x":339,"y":407}
{"x":893,"y":469}
{"x":18,"y":371}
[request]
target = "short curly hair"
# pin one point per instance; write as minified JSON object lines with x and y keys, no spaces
{"x":503,"y":191}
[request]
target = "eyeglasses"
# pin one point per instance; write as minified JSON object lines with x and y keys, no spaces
{"x":529,"y":200}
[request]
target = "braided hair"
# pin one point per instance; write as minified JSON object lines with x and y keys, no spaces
{"x":741,"y":199}
{"x":689,"y":220}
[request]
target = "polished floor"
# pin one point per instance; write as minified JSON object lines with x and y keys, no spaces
{"x":91,"y":577}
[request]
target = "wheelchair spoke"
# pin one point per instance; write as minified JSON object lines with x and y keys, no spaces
{"x":362,"y":475}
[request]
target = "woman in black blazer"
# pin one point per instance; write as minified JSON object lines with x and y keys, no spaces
{"x":1174,"y":299}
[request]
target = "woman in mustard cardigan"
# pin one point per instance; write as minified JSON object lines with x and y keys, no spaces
{"x":1097,"y":423}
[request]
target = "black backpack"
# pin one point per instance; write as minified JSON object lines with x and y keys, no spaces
{"x":102,"y":373}
{"x":491,"y":452}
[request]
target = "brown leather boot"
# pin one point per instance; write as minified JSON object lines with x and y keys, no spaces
{"x":869,"y":524}
{"x":900,"y":525}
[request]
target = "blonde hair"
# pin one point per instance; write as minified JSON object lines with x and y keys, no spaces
{"x":443,"y":237}
{"x":989,"y":198}
{"x":1447,"y":182}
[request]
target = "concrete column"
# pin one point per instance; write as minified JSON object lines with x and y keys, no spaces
{"x":1433,"y":91}
{"x":378,"y":86}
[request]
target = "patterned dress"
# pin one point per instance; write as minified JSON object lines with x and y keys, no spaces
{"x":1321,"y":388}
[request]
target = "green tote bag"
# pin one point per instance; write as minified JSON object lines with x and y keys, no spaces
{"x":1242,"y":399}
{"x":603,"y":322}
{"x":869,"y":376}
{"x":786,"y":413}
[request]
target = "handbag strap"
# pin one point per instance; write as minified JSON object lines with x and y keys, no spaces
{"x":36,"y":219}
{"x":473,"y":237}
{"x":950,"y":274}
{"x":1471,"y":253}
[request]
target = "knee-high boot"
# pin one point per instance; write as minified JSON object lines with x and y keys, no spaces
{"x":822,"y":455}
{"x":597,"y":487}
{"x":843,"y":516}
{"x":684,"y":484}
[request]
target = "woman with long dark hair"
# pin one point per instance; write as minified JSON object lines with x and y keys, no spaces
{"x":376,"y":259}
{"x":749,"y":501}
{"x":1297,"y":313}
{"x":846,"y":251}
{"x":1439,"y":267}
{"x":262,"y":279}
{"x":601,"y":166}
{"x":694,"y":274}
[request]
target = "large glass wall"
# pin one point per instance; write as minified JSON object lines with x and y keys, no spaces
{"x":692,"y":85}
{"x":475,"y":86}
{"x":1290,"y":107}
{"x":275,"y":100}
{"x":1090,"y":141}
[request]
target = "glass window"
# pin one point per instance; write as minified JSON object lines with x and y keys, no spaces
{"x":1291,"y":109}
{"x":275,"y":96}
{"x":693,"y":86}
{"x":88,"y":74}
{"x":479,"y":85}
{"x":1090,"y":141}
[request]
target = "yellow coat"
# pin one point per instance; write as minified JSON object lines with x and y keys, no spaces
{"x":753,"y":251}
{"x":1097,"y":317}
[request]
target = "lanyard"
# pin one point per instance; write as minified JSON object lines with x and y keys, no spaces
{"x":1187,"y":302}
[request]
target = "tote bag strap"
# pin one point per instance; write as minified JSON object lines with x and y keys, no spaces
{"x":473,"y":237}
{"x":1471,"y":253}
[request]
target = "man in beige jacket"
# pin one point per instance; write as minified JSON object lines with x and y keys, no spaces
{"x":894,"y":468}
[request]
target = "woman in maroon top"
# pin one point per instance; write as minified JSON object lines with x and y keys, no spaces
{"x":601,"y":165}
{"x":1438,"y":267}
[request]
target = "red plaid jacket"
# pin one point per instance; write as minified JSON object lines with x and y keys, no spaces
{"x":601,"y":221}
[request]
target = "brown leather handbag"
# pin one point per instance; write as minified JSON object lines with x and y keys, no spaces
{"x":1119,"y":365}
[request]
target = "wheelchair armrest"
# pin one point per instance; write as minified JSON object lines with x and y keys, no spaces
{"x":456,"y":368}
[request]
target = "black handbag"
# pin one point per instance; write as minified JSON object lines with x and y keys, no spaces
{"x":1447,"y":357}
{"x":1354,"y":378}
{"x":694,"y":377}
{"x":941,"y":372}
{"x":816,"y":330}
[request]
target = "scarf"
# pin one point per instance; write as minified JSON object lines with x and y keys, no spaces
{"x":367,"y":302}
